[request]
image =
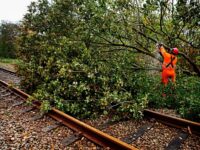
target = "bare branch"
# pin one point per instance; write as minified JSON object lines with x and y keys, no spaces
{"x":144,"y":35}
{"x":127,"y":46}
{"x":196,"y":69}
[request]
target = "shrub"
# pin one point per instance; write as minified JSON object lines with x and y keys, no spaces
{"x":188,"y":95}
{"x":184,"y":96}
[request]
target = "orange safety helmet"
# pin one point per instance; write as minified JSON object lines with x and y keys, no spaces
{"x":175,"y":51}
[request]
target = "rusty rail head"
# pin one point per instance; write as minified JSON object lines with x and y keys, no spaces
{"x":174,"y":121}
{"x":87,"y":131}
{"x":9,"y":71}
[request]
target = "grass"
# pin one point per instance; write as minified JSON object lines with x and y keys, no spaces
{"x":9,"y":63}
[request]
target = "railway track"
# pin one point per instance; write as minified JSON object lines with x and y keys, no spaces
{"x":8,"y":71}
{"x":80,"y":129}
{"x":30,"y":130}
{"x":9,"y":77}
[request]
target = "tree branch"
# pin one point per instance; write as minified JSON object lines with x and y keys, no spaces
{"x":195,"y":68}
{"x":127,"y":46}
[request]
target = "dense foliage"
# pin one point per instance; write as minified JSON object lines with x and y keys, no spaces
{"x":8,"y":35}
{"x":93,"y":56}
{"x":184,"y":97}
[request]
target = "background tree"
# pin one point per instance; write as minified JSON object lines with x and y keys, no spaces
{"x":8,"y":34}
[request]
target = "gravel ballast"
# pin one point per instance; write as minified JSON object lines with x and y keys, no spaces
{"x":18,"y":133}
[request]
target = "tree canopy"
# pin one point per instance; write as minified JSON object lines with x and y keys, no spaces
{"x":99,"y":54}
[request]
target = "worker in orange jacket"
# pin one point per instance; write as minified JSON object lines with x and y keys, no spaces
{"x":169,"y":63}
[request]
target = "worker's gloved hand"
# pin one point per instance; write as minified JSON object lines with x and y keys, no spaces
{"x":158,"y":45}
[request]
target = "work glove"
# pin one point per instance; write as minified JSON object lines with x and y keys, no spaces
{"x":158,"y":45}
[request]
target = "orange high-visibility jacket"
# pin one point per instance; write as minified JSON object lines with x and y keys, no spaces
{"x":168,"y":66}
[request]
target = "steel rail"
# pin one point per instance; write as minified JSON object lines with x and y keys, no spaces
{"x":87,"y":131}
{"x":193,"y":127}
{"x":8,"y":71}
